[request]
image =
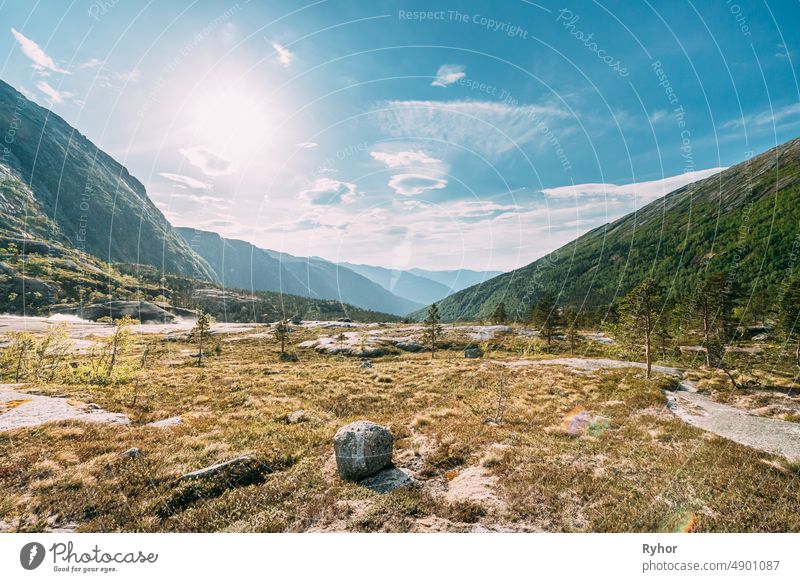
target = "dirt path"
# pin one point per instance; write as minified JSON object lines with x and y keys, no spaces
{"x":766,"y":434}
{"x":19,"y":410}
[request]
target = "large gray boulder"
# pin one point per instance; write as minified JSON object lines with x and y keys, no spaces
{"x":362,"y":449}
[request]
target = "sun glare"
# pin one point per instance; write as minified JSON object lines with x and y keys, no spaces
{"x":231,"y":120}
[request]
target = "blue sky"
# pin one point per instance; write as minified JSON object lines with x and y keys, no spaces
{"x":411,"y":134}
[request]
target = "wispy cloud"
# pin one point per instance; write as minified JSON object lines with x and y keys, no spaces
{"x":415,"y":184}
{"x":91,"y":64}
{"x":487,"y":127}
{"x":405,"y":158}
{"x":284,"y":56}
{"x":307,"y":145}
{"x":324,"y":191}
{"x":644,"y":191}
{"x":207,"y":161}
{"x":658,"y":116}
{"x":42,"y":62}
{"x":765,"y":118}
{"x":131,"y":76}
{"x":447,"y":75}
{"x":186,"y":181}
{"x":53,"y":95}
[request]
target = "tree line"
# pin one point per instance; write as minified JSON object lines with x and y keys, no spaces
{"x":649,"y":317}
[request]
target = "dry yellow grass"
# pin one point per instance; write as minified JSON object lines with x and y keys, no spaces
{"x":628,"y":464}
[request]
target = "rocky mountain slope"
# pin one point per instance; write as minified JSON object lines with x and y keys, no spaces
{"x":56,"y":185}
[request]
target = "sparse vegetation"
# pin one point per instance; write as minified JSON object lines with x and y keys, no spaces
{"x":618,"y":476}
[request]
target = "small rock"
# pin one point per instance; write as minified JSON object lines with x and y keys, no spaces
{"x":131,"y":453}
{"x":362,"y":449}
{"x":472,"y":352}
{"x":166,"y":422}
{"x":284,"y":357}
{"x":374,"y":352}
{"x":410,"y":347}
{"x":296,"y":417}
{"x":388,"y":480}
{"x":365,"y":364}
{"x":243,"y":464}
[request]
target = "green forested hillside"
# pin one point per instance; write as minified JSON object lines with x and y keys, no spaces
{"x":744,"y":221}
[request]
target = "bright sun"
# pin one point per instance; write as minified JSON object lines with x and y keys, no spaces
{"x":231,"y":120}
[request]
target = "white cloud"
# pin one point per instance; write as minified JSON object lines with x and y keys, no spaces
{"x":53,"y":95}
{"x":447,"y":75}
{"x":644,"y":191}
{"x":186,"y":181}
{"x":407,"y":158}
{"x":131,"y":76}
{"x":415,"y":184}
{"x":329,"y":191}
{"x":42,"y":62}
{"x":92,"y":63}
{"x":210,"y":163}
{"x":764,"y":118}
{"x":284,"y":56}
{"x":658,"y":116}
{"x":487,"y":127}
{"x":307,"y":145}
{"x":201,"y":199}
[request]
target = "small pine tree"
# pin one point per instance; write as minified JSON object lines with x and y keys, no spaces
{"x":201,"y":331}
{"x":547,"y":317}
{"x":666,"y":330}
{"x":571,"y":325}
{"x":714,"y":309}
{"x":282,"y":334}
{"x":340,"y":339}
{"x":432,"y":328}
{"x":790,"y":316}
{"x":639,"y":315}
{"x":499,"y":315}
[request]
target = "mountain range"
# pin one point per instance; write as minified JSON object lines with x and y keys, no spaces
{"x":743,"y":221}
{"x":242,"y":265}
{"x":57,"y":187}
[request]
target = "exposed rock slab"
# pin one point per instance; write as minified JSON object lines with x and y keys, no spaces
{"x":20,"y":410}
